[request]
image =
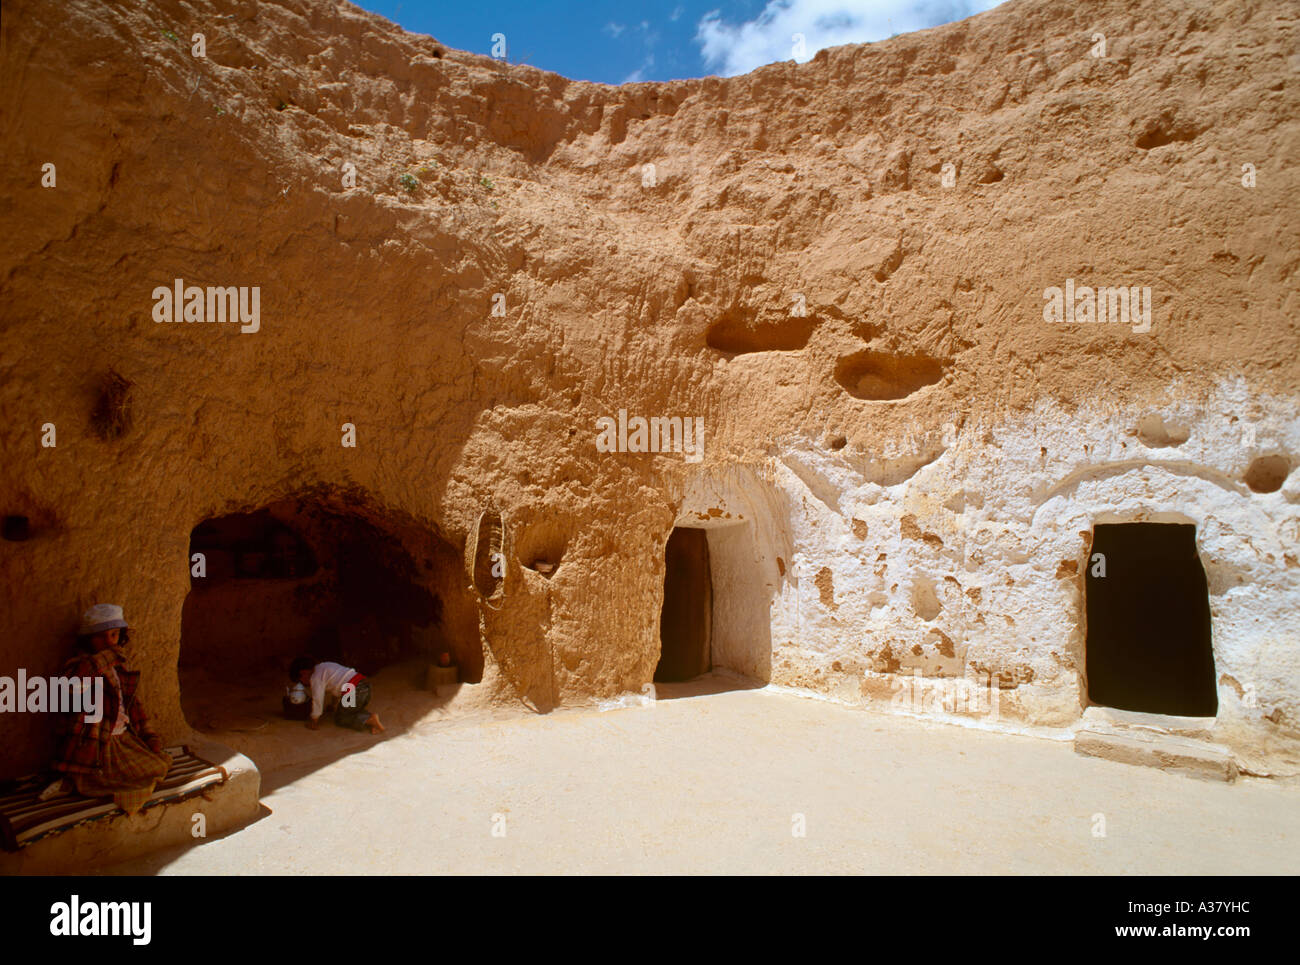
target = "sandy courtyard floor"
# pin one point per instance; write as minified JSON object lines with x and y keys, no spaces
{"x":715,"y":784}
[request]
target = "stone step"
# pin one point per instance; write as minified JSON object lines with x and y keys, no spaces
{"x":120,"y":837}
{"x":1183,"y":755}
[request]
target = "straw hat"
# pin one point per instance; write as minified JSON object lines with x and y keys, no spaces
{"x":101,"y":616}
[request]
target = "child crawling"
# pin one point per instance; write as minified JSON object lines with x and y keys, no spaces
{"x":332,"y":682}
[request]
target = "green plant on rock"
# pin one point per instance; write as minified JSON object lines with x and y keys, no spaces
{"x":409,"y":182}
{"x":486,"y":182}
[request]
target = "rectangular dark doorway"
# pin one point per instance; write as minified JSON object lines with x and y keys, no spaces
{"x":686,"y":622}
{"x":1148,"y":646}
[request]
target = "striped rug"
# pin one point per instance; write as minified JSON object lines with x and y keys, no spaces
{"x":25,"y":818}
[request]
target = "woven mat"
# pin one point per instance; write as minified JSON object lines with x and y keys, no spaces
{"x":25,"y":818}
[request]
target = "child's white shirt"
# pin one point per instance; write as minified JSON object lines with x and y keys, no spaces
{"x":328,"y":679}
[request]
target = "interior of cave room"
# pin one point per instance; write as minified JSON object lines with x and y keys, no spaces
{"x":321,"y":578}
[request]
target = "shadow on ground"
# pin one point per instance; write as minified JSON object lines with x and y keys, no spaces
{"x":245,"y":714}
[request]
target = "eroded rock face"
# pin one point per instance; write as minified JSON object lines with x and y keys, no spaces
{"x":841,"y":267}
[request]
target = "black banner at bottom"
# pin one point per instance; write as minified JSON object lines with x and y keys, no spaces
{"x":137,"y":916}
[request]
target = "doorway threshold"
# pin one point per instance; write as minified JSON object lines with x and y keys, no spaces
{"x":1176,"y":744}
{"x":1098,"y":716}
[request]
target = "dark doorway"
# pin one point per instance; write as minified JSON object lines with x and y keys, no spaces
{"x":686,"y":623}
{"x":1148,"y":643}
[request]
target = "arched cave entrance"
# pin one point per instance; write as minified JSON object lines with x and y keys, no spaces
{"x":325,"y":576}
{"x":1148,"y":643}
{"x":715,"y":613}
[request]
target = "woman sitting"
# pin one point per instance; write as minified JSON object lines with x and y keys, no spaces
{"x":119,"y":755}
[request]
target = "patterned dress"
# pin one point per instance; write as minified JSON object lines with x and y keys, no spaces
{"x":111,"y":757}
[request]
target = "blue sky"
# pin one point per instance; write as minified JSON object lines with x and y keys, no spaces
{"x":618,"y":41}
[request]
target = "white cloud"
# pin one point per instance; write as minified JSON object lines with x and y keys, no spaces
{"x":638,"y":75}
{"x":738,"y":48}
{"x":649,"y":36}
{"x":677,"y":12}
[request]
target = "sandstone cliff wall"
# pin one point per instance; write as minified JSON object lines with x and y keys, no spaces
{"x":902,"y":477}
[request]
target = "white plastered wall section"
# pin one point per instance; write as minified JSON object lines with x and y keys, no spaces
{"x":1248,"y":543}
{"x":1254,"y":594}
{"x":960,"y":573}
